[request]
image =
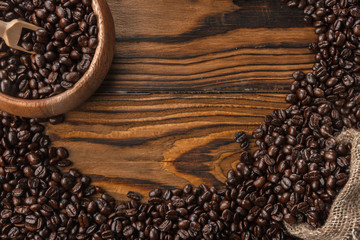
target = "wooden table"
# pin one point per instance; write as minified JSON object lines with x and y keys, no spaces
{"x":187,"y":75}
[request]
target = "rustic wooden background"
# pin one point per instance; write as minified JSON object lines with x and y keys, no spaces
{"x":187,"y":75}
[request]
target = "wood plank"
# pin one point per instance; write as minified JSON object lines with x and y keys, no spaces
{"x":241,"y":70}
{"x":186,"y":77}
{"x":183,"y":20}
{"x":206,"y":46}
{"x":141,"y":142}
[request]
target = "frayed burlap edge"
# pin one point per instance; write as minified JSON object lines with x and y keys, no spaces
{"x":344,"y":217}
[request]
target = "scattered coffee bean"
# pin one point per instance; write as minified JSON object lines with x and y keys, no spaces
{"x":240,"y":137}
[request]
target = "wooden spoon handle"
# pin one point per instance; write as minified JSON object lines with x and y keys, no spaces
{"x":3,"y":26}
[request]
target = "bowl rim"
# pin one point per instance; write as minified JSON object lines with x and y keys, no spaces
{"x":100,"y":8}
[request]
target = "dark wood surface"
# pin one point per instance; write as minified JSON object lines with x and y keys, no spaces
{"x":187,"y":75}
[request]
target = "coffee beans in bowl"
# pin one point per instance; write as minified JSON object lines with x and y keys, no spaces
{"x":64,"y":70}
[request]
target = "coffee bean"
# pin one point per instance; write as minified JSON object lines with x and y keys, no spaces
{"x":73,"y":77}
{"x":83,"y":65}
{"x":289,"y":218}
{"x":303,"y":207}
{"x":128,"y":231}
{"x":258,"y":183}
{"x":6,"y":213}
{"x":330,"y":156}
{"x":71,"y":210}
{"x":56,"y":119}
{"x":183,"y":234}
{"x":285,"y":183}
{"x":240,"y":137}
{"x":4,"y":6}
{"x":134,"y":196}
{"x":165,"y":226}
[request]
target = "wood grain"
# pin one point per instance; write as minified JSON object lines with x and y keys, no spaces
{"x":239,"y":70}
{"x":144,"y":141}
{"x":207,"y":46}
{"x":187,"y":75}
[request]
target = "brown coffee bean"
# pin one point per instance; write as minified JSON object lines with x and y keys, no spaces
{"x":73,"y":77}
{"x":4,"y":6}
{"x":128,"y":231}
{"x":134,"y":196}
{"x":285,"y":183}
{"x":165,"y":226}
{"x":258,"y":183}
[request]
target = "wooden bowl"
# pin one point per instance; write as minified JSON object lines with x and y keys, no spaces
{"x":85,"y":87}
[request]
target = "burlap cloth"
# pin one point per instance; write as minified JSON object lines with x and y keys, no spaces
{"x":344,"y":217}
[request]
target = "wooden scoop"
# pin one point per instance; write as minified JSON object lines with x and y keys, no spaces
{"x":11,"y":32}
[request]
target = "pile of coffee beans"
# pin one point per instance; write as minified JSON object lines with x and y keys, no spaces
{"x":39,"y":201}
{"x":64,"y":47}
{"x":293,"y":176}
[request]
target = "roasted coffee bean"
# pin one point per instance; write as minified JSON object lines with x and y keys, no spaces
{"x":134,"y":196}
{"x":73,"y":77}
{"x":128,"y":231}
{"x":240,"y":137}
{"x":258,"y":183}
{"x":165,"y":226}
{"x":285,"y":183}
{"x":4,"y":6}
